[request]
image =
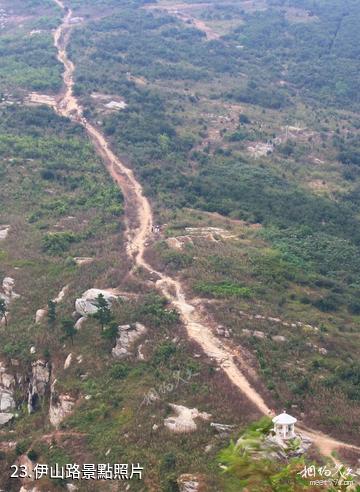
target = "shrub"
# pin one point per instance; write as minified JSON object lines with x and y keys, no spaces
{"x":244,"y":119}
{"x":354,"y":307}
{"x":56,"y":243}
{"x":153,"y":311}
{"x":326,"y":304}
{"x":32,"y":455}
{"x":119,"y":371}
{"x":169,"y":461}
{"x":177,"y":260}
{"x":163,"y":353}
{"x":223,"y":289}
{"x":21,"y":447}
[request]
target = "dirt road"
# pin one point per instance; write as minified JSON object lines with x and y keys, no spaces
{"x":138,"y":229}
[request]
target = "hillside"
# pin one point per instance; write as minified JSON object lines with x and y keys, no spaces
{"x":197,"y":164}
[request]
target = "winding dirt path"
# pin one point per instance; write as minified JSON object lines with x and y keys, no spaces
{"x":138,"y":229}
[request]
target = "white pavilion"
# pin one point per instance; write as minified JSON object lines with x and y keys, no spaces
{"x":284,"y":426}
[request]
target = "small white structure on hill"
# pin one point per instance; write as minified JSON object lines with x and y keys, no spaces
{"x":284,"y":426}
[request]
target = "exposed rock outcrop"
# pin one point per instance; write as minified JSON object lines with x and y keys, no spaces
{"x":184,"y":419}
{"x":278,"y":338}
{"x":189,"y":483}
{"x":83,"y":260}
{"x":67,"y":362}
{"x":61,"y":294}
{"x":276,"y":448}
{"x":128,"y":334}
{"x":80,"y":322}
{"x":4,"y":232}
{"x":61,"y":406}
{"x":8,"y":295}
{"x":7,"y":400}
{"x":8,"y":285}
{"x":86,"y":304}
{"x":39,"y":381}
{"x":223,"y":429}
{"x":179,"y":242}
{"x":221,"y":331}
{"x":71,"y":487}
{"x":5,"y":418}
{"x":40,"y":315}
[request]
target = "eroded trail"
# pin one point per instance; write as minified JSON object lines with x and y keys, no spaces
{"x":138,"y":229}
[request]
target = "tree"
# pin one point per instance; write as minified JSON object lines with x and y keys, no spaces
{"x":103,"y":314}
{"x":111,"y":331}
{"x":69,"y":329}
{"x":3,"y":310}
{"x":51,"y":312}
{"x":244,"y":119}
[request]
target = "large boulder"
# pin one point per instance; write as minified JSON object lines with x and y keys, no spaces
{"x":128,"y":334}
{"x":39,"y":381}
{"x":183,"y":419}
{"x":4,"y":231}
{"x":5,"y":418}
{"x":86,"y":304}
{"x":8,"y":295}
{"x":61,"y":406}
{"x":61,"y":295}
{"x":40,"y":315}
{"x":7,"y":400}
{"x":8,"y":288}
{"x":189,"y":483}
{"x":6,"y":380}
{"x":68,"y":361}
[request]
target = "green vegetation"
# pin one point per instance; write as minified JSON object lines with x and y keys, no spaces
{"x":249,"y":463}
{"x":223,"y":289}
{"x":321,"y":55}
{"x":255,"y":133}
{"x":28,"y":63}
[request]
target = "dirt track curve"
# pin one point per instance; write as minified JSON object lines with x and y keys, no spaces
{"x":138,"y":231}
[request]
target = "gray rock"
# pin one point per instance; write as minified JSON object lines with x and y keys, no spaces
{"x":222,"y":429}
{"x":5,"y":418}
{"x":6,"y":380}
{"x":4,"y":231}
{"x":183,"y":420}
{"x":61,"y":406}
{"x":128,"y":334}
{"x":80,"y":322}
{"x":40,"y":315}
{"x":86,"y":304}
{"x":67,"y":362}
{"x":71,"y":487}
{"x":278,"y":338}
{"x":247,"y":332}
{"x":40,"y":378}
{"x":189,"y":483}
{"x":7,"y":401}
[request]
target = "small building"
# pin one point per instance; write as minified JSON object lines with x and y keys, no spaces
{"x":284,"y":426}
